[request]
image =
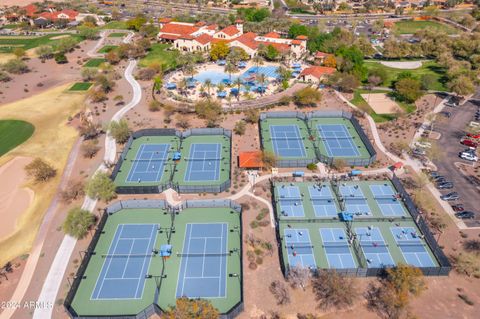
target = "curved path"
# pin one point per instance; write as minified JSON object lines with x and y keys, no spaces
{"x":57,"y":269}
{"x":55,"y":275}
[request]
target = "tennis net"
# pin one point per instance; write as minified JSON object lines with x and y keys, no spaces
{"x":153,"y":160}
{"x":298,"y":245}
{"x":290,"y":200}
{"x":373,"y":244}
{"x":410,"y":243}
{"x":335,"y":137}
{"x":201,"y":159}
{"x":354,"y":198}
{"x":204,"y":254}
{"x":127,"y":255}
{"x":335,"y":244}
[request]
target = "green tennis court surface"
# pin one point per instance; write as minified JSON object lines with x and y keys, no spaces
{"x":126,"y":269}
{"x":313,"y":233}
{"x":205,"y":160}
{"x":204,"y":163}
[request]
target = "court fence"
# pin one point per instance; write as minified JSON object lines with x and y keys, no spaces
{"x":443,"y":269}
{"x":154,"y":308}
{"x":329,"y":160}
{"x":156,"y":189}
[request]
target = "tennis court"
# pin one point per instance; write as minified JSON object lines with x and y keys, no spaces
{"x":299,"y":248}
{"x":355,"y":200}
{"x":203,"y":162}
{"x":387,"y":200}
{"x":337,"y":248}
{"x":287,"y":141}
{"x":338,"y":140}
{"x":322,"y":201}
{"x":290,"y":201}
{"x":148,"y":163}
{"x":126,"y":263}
{"x":204,"y":261}
{"x":374,"y":247}
{"x":412,"y":247}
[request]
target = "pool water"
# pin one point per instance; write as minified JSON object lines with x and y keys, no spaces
{"x":217,"y":77}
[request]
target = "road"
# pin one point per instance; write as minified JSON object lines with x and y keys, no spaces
{"x":450,"y":145}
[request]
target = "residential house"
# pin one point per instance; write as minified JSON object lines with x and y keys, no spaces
{"x":316,"y":74}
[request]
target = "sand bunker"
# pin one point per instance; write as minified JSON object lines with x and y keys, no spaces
{"x":15,"y":199}
{"x":58,"y":37}
{"x":381,"y":103}
{"x":407,"y":65}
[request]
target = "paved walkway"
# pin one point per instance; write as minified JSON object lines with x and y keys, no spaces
{"x":59,"y":265}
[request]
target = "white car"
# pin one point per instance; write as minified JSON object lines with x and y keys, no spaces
{"x":423,"y":144}
{"x":469,"y":156}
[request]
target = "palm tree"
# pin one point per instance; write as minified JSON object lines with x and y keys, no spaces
{"x":208,"y":86}
{"x":257,"y":60}
{"x":262,"y":79}
{"x":238,"y":84}
{"x":220,"y":87}
{"x":284,"y":73}
{"x":230,"y":68}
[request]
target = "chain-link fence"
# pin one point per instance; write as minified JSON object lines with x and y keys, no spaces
{"x":153,"y":308}
{"x":329,"y":160}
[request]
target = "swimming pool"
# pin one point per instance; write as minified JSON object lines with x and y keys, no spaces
{"x":217,"y":77}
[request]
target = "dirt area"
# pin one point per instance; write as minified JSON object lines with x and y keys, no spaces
{"x":20,"y":3}
{"x":14,"y":197}
{"x":381,"y":103}
{"x":399,"y":132}
{"x":44,"y":76}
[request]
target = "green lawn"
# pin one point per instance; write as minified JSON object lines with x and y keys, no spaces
{"x":13,"y":133}
{"x":116,"y":35}
{"x":427,"y":68}
{"x":159,"y":54}
{"x":80,"y":86}
{"x":10,"y":26}
{"x":9,"y":43}
{"x":107,"y":48}
{"x":116,"y":25}
{"x":94,"y":63}
{"x":410,"y":27}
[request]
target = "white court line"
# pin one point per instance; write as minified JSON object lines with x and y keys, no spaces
{"x":152,"y":235}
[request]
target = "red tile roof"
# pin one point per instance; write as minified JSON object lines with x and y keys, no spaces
{"x":200,"y":23}
{"x":281,"y":47}
{"x":302,"y":37}
{"x":248,"y":39}
{"x":30,"y":10}
{"x":318,"y":71}
{"x":250,"y":159}
{"x":203,"y":38}
{"x":164,"y":20}
{"x":169,"y":36}
{"x":239,"y":21}
{"x":272,"y":35}
{"x":319,"y":54}
{"x":178,"y":29}
{"x":230,"y":30}
{"x":296,"y":42}
{"x":212,"y":27}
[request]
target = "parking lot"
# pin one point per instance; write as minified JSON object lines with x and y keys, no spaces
{"x":450,"y":145}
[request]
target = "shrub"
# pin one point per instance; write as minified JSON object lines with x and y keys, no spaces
{"x":40,"y":170}
{"x":73,"y":191}
{"x":4,"y":77}
{"x":90,"y":148}
{"x":240,"y":127}
{"x":15,"y":66}
{"x":333,"y":290}
{"x":312,"y":167}
{"x":60,"y":58}
{"x":120,"y":131}
{"x":280,"y":292}
{"x":101,"y":186}
{"x":154,"y":106}
{"x":78,"y":222}
{"x":308,"y":96}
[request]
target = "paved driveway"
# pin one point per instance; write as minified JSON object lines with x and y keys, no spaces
{"x":450,"y":145}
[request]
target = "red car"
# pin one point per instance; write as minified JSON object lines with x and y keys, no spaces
{"x":469,"y":143}
{"x":475,"y":136}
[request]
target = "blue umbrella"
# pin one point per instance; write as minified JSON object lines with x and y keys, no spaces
{"x":171,"y":86}
{"x":234,"y":91}
{"x":242,"y":64}
{"x":226,"y":81}
{"x":222,"y":94}
{"x":221,"y":62}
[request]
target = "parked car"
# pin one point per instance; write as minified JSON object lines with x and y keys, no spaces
{"x":469,"y":143}
{"x":438,"y":177}
{"x":441,"y":180}
{"x":434,"y":174}
{"x":418,"y":151}
{"x":469,"y":157}
{"x":465,"y":215}
{"x":458,"y":208}
{"x":446,"y":185}
{"x":450,"y":196}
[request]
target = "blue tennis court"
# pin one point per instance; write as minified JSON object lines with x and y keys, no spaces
{"x":338,"y":140}
{"x":355,"y":201}
{"x":203,"y":271}
{"x":290,"y":201}
{"x":126,"y":263}
{"x":148,"y":163}
{"x":322,"y":201}
{"x":203,"y":162}
{"x":412,"y":247}
{"x":299,"y":248}
{"x":387,"y":200}
{"x":287,"y":141}
{"x":337,"y":248}
{"x":374,"y":247}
